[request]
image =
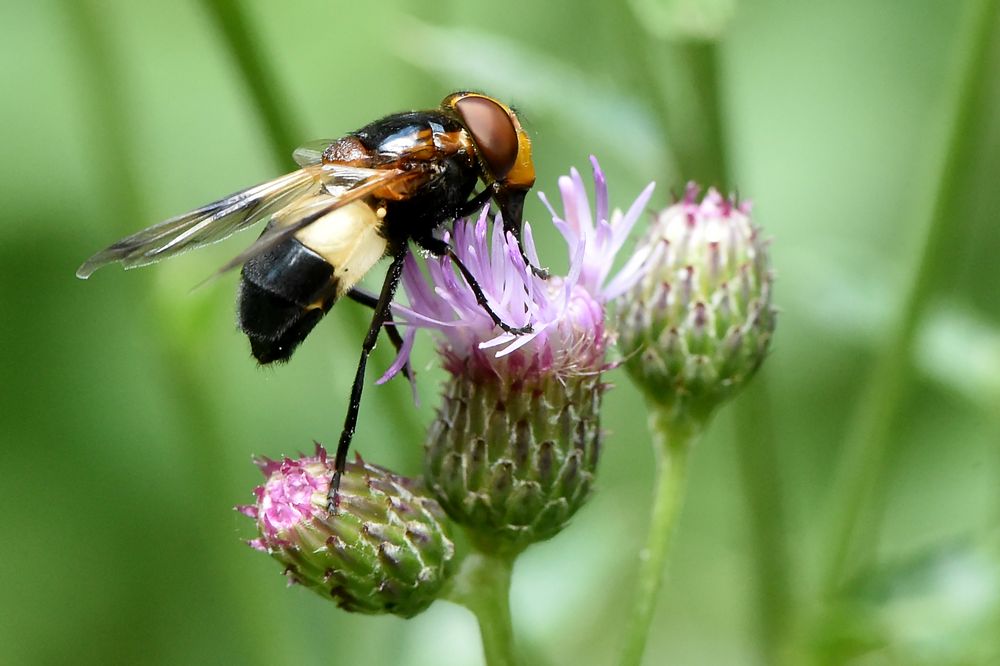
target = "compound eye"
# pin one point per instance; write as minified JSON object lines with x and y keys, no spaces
{"x":493,"y":131}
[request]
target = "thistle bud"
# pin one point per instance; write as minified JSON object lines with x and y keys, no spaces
{"x":698,"y":323}
{"x":385,"y":551}
{"x":512,"y":454}
{"x":513,"y":451}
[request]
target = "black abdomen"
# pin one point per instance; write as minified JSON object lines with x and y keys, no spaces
{"x":284,"y":292}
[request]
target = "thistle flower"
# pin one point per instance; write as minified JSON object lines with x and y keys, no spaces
{"x":698,"y":324}
{"x":513,"y":450}
{"x":385,"y":551}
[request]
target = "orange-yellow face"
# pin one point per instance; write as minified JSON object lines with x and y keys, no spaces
{"x":503,"y":146}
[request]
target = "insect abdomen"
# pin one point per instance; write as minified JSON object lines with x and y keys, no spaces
{"x":284,"y":292}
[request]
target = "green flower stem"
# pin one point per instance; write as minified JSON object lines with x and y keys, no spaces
{"x":483,"y":586}
{"x":865,"y":449}
{"x":672,"y":443}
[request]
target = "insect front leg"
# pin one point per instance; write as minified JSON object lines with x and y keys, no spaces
{"x":380,"y":316}
{"x":511,"y":204}
{"x":371,"y":301}
{"x":512,"y":226}
{"x":474,"y":204}
{"x":439,"y":248}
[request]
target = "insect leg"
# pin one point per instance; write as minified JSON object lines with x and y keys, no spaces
{"x":515,"y":230}
{"x":511,"y":204}
{"x":371,"y":301}
{"x":512,"y":226}
{"x":381,"y":315}
{"x":474,"y":204}
{"x":439,"y":248}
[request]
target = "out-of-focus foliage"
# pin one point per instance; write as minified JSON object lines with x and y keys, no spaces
{"x":130,"y":407}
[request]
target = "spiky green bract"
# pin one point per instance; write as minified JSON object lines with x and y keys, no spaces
{"x":513,"y":459}
{"x":698,"y":323}
{"x":386,"y":550}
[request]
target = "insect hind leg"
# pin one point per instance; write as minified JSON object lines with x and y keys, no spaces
{"x":371,"y":301}
{"x":379,"y":317}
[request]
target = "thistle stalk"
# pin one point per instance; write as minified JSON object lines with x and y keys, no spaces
{"x":672,"y":444}
{"x":483,"y":586}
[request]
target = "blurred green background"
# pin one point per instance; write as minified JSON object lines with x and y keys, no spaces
{"x":129,"y":406}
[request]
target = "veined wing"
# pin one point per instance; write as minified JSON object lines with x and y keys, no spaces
{"x":224,"y":217}
{"x":344,"y":185}
{"x":208,"y":224}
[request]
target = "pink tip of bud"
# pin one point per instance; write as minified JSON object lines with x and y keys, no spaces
{"x":320,"y":452}
{"x":727,"y":207}
{"x":248,"y":510}
{"x":700,"y":314}
{"x":266,"y":466}
{"x":691,"y":191}
{"x":258,"y":544}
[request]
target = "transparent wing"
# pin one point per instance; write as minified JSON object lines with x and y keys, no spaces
{"x":225,"y":217}
{"x":204,"y":225}
{"x":344,"y":185}
{"x":311,"y":153}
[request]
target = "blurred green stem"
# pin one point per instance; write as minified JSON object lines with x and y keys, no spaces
{"x":680,"y":81}
{"x":114,"y":159}
{"x":861,"y":463}
{"x":483,"y":586}
{"x":760,"y":471}
{"x":238,"y":35}
{"x":672,"y":443}
{"x":283,"y":133}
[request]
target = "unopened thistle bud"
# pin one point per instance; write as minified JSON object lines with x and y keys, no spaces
{"x":385,"y":551}
{"x":698,"y":323}
{"x":513,"y":451}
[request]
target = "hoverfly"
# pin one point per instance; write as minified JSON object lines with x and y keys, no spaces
{"x":354,"y":200}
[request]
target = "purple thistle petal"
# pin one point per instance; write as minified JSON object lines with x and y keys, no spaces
{"x":586,"y":222}
{"x":545,"y":201}
{"x":624,"y":226}
{"x":401,"y":359}
{"x":571,"y":214}
{"x":566,"y":314}
{"x":600,"y":189}
{"x":521,"y":340}
{"x":631,"y":272}
{"x":529,"y":243}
